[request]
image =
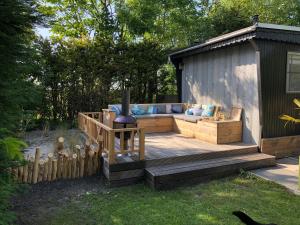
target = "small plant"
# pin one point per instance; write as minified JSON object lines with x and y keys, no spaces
{"x":290,"y":119}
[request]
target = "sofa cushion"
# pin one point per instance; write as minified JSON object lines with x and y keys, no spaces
{"x":161,"y":109}
{"x":117,"y":109}
{"x":138,"y":110}
{"x":152,"y":109}
{"x":169,"y":108}
{"x":208,"y":111}
{"x":177,"y":108}
{"x":196,"y":111}
{"x":149,"y":116}
{"x":192,"y":119}
{"x":188,"y":112}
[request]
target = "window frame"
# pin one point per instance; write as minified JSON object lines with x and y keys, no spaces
{"x":288,"y":73}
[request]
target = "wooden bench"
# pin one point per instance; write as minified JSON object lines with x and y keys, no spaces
{"x":216,"y":132}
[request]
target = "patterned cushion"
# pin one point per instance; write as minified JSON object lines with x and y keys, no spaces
{"x":176,"y":108}
{"x":152,"y":109}
{"x":208,"y":111}
{"x":137,"y":110}
{"x":116,"y":109}
{"x":197,"y":111}
{"x":161,"y":109}
{"x":188,"y":112}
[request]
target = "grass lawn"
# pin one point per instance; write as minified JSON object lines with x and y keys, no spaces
{"x":209,"y":203}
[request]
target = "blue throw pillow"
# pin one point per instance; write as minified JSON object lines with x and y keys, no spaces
{"x":137,"y":110}
{"x":208,"y":111}
{"x":197,"y":111}
{"x":188,"y":112}
{"x":176,"y":108}
{"x":152,"y":109}
{"x":161,"y":109}
{"x":116,"y":109}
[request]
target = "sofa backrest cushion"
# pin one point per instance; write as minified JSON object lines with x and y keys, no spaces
{"x":168,"y":108}
{"x":152,"y":109}
{"x":177,"y":108}
{"x":117,"y":109}
{"x":161,"y":109}
{"x":197,"y":111}
{"x":138,"y":110}
{"x":208,"y":110}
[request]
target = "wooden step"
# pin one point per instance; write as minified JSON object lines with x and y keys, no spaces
{"x":173,"y":175}
{"x":201,"y":156}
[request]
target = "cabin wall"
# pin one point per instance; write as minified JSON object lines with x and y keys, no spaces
{"x":226,"y":77}
{"x":275,"y":100}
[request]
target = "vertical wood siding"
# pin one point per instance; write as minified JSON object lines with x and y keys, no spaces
{"x":275,"y":100}
{"x":226,"y":77}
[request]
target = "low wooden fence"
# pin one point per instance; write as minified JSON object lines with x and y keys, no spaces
{"x":62,"y":166}
{"x":106,"y":137}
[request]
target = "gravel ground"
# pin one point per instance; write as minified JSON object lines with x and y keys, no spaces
{"x":46,"y":198}
{"x":47,"y":142}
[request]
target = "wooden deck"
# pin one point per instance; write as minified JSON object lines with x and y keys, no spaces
{"x":165,"y":148}
{"x":182,"y":160}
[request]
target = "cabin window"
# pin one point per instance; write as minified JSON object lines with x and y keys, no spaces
{"x":293,"y":72}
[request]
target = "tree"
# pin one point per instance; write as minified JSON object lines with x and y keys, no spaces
{"x":16,"y":88}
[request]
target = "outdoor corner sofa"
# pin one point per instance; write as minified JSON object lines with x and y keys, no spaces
{"x":202,"y":128}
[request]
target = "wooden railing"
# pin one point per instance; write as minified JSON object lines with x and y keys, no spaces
{"x":109,"y":144}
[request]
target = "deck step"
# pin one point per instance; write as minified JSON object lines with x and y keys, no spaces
{"x":201,"y":156}
{"x":179,"y":174}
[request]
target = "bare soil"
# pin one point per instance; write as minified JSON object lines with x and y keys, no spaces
{"x":40,"y":201}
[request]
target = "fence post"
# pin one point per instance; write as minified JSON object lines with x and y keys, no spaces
{"x":36,"y":165}
{"x":142,"y":144}
{"x":111,"y":147}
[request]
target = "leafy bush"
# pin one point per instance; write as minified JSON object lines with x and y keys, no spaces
{"x":10,"y":156}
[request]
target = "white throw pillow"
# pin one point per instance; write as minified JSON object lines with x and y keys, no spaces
{"x":168,"y":108}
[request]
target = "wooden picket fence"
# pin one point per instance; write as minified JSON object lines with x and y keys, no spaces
{"x":61,"y":166}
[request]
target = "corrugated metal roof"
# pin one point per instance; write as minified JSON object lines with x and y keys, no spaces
{"x":259,"y":30}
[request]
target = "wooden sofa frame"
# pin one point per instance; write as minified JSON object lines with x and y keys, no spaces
{"x":216,"y":132}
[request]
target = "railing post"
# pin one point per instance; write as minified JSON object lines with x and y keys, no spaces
{"x":111,"y":147}
{"x":122,"y":144}
{"x":142,"y":144}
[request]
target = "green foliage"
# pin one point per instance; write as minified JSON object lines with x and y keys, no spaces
{"x":10,"y":156}
{"x":209,"y":203}
{"x":17,"y":91}
{"x":6,"y":190}
{"x":86,"y":75}
{"x":290,"y":119}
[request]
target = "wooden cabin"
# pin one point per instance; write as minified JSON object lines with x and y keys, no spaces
{"x":256,"y":68}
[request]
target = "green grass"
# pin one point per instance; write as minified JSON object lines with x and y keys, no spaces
{"x":210,"y":203}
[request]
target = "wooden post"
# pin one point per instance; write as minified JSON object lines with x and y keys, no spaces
{"x":70,"y":167}
{"x":20,"y":175}
{"x":95,"y":162}
{"x":65,"y":167}
{"x":60,"y":144}
{"x":59,"y":165}
{"x":36,"y":165}
{"x":45,"y":176}
{"x":74,"y":166}
{"x":122,"y":145}
{"x":132,"y":141}
{"x":25,"y":173}
{"x":111,"y":147}
{"x":142,"y":144}
{"x":41,"y":171}
{"x":54,"y":169}
{"x":50,"y":156}
{"x":30,"y":168}
{"x":90,"y":162}
{"x":81,"y":169}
